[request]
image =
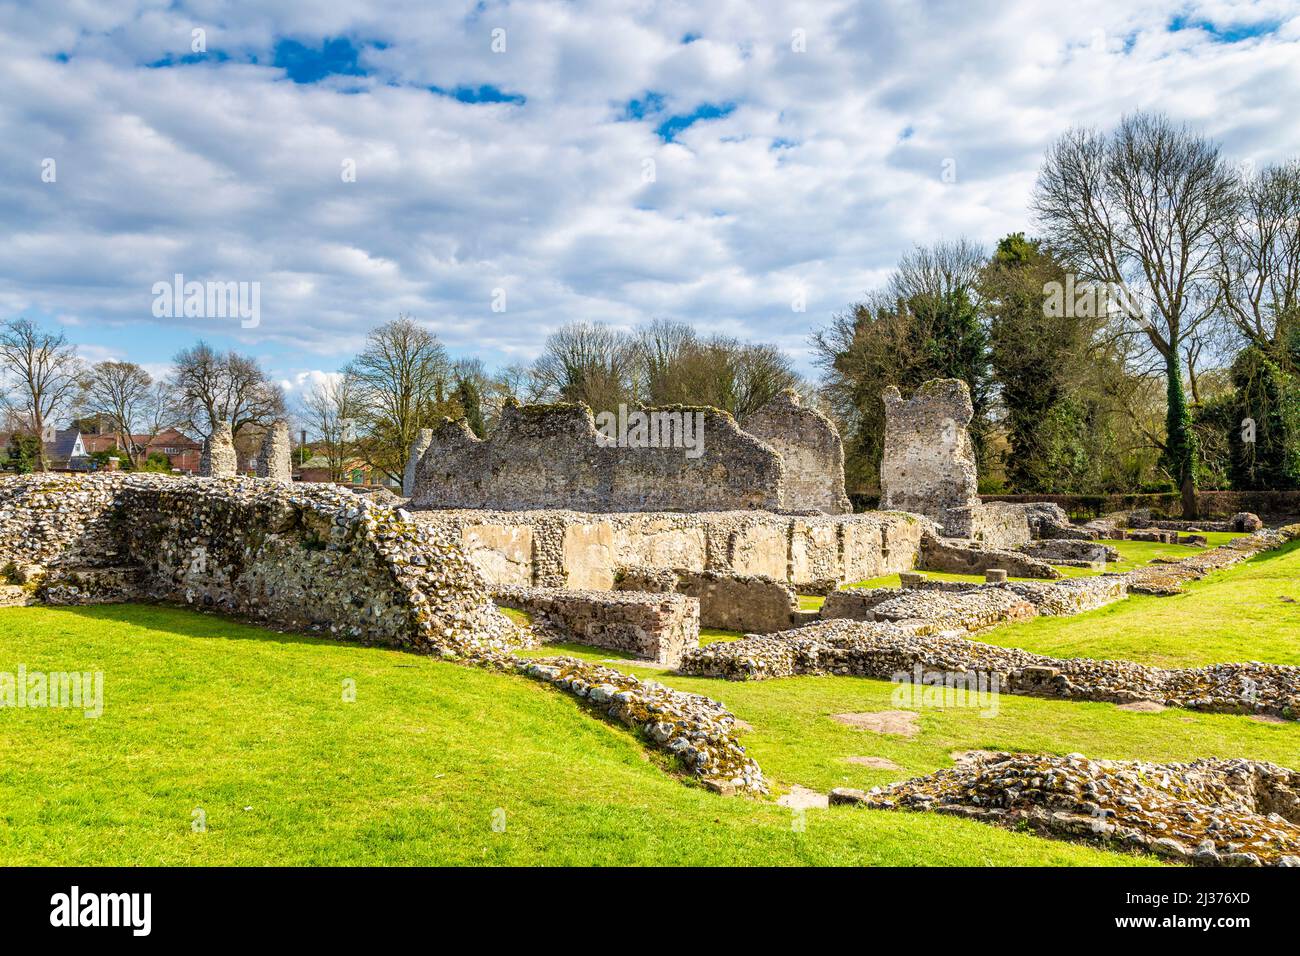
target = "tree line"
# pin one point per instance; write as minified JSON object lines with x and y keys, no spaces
{"x":372,"y":409}
{"x":1145,"y":338}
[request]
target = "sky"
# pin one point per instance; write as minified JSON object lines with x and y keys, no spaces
{"x":496,"y":170}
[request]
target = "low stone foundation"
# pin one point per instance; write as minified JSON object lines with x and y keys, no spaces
{"x":751,"y":603}
{"x":657,"y":627}
{"x":1210,"y":812}
{"x":699,"y":732}
{"x":578,"y":550}
{"x":887,"y":651}
{"x":1071,"y":551}
{"x":929,"y":612}
{"x":957,"y":556}
{"x":1059,"y":598}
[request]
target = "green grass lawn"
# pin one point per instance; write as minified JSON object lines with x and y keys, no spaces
{"x":1133,"y":554}
{"x":251,"y":727}
{"x":1247,"y":613}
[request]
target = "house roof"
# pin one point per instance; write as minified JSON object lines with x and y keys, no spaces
{"x":64,"y":444}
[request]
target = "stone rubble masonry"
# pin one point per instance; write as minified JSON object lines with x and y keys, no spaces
{"x":317,"y":557}
{"x":786,"y":458}
{"x":1242,"y":521}
{"x":1071,"y":552}
{"x":896,"y":651}
{"x":1050,"y":521}
{"x":656,"y":627}
{"x":929,"y":468}
{"x":958,"y":556}
{"x":545,"y":456}
{"x":275,"y":460}
{"x":423,"y":439}
{"x":811,"y":450}
{"x":752,"y":603}
{"x":929,"y":612}
{"x":839,"y":644}
{"x":811,"y":553}
{"x":929,"y":462}
{"x":699,"y":732}
{"x":1060,"y":598}
{"x":1210,"y":812}
{"x":306,"y":556}
{"x":218,"y":459}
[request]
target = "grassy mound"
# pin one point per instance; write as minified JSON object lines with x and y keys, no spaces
{"x":433,"y":763}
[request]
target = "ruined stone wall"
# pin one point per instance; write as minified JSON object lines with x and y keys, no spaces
{"x":578,"y":550}
{"x":929,"y":462}
{"x":218,"y":458}
{"x":275,"y":460}
{"x":306,"y":556}
{"x":959,"y":557}
{"x":750,"y":603}
{"x":423,"y":439}
{"x":541,"y":456}
{"x":810,"y":447}
{"x":992,"y":525}
{"x":652,"y":626}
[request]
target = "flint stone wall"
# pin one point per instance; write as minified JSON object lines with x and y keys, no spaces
{"x":812,"y":553}
{"x":900,"y":652}
{"x":423,"y":439}
{"x":218,"y":458}
{"x":811,"y":450}
{"x":929,"y":462}
{"x":275,"y":460}
{"x":752,"y":603}
{"x":657,"y":627}
{"x":270,"y":551}
{"x":967,"y":557}
{"x":1070,"y":551}
{"x":306,"y":556}
{"x":929,"y":468}
{"x":542,"y":456}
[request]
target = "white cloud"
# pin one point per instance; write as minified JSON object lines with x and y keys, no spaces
{"x":227,"y":170}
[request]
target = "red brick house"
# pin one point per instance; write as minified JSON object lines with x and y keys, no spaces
{"x":181,"y":450}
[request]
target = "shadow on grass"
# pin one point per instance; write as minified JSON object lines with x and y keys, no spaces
{"x":191,"y":622}
{"x":1264,"y":556}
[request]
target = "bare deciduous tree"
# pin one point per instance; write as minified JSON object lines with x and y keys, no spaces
{"x":401,"y":382}
{"x":1142,"y":208}
{"x":43,"y":373}
{"x":1259,"y":267}
{"x":127,"y":398}
{"x":582,"y":362}
{"x":210,"y":387}
{"x":330,"y":411}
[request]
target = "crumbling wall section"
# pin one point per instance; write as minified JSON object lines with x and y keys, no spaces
{"x":544,"y":456}
{"x":811,"y":553}
{"x":750,"y":603}
{"x":929,"y":462}
{"x":218,"y":458}
{"x":652,"y":626}
{"x":305,"y":556}
{"x":811,"y":449}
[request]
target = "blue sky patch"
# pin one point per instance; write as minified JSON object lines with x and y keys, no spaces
{"x":647,"y":105}
{"x":669,"y":128}
{"x":211,"y":56}
{"x":1232,"y":33}
{"x":305,"y":64}
{"x":479,"y":94}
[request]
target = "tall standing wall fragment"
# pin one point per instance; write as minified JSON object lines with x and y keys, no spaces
{"x":811,"y":450}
